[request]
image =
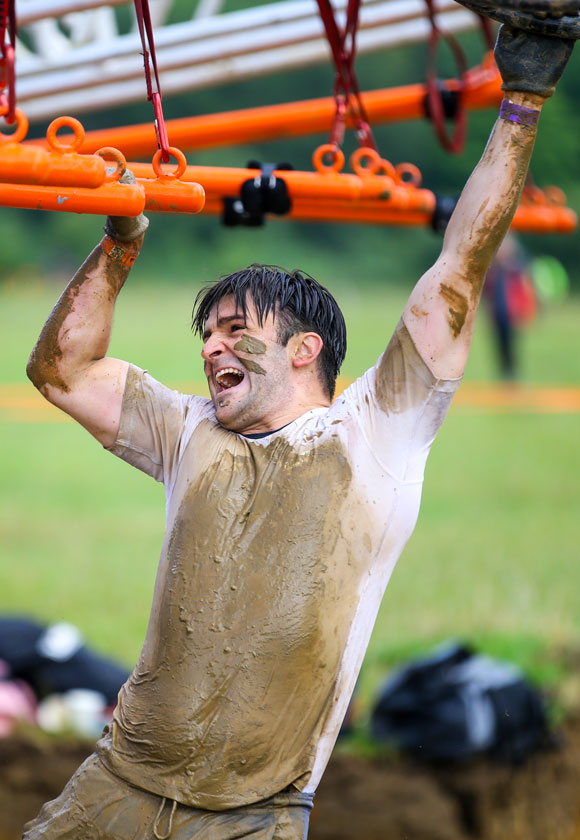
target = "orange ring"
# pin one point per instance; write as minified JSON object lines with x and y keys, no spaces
{"x":386,"y":169}
{"x":533,"y":195}
{"x":362,"y":154}
{"x":335,"y":153}
{"x":555,"y":196}
{"x":21,"y":127}
{"x":415,"y":178}
{"x":118,"y":157}
{"x":181,"y":163}
{"x":57,"y":145}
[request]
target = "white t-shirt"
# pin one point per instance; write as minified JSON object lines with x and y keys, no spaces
{"x":276,"y":556}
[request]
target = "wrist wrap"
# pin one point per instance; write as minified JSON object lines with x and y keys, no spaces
{"x":124,"y":255}
{"x":519,"y":114}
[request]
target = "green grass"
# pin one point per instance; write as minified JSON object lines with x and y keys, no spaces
{"x":494,"y":558}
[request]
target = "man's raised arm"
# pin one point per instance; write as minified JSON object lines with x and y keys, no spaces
{"x":68,"y":364}
{"x":440,"y":314}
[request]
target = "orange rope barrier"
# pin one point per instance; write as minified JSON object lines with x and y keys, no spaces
{"x":481,"y":89}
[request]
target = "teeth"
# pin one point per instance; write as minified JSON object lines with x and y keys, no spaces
{"x":223,"y":373}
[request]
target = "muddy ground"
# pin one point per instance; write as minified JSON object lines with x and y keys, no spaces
{"x":358,"y":799}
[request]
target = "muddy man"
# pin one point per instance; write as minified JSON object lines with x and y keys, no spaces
{"x":286,"y":510}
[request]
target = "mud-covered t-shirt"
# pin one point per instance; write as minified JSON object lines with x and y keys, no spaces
{"x":276,"y":556}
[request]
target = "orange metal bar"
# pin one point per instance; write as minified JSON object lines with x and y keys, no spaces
{"x":165,"y":193}
{"x":481,"y":90}
{"x":337,"y":196}
{"x":110,"y":199}
{"x":21,"y":164}
{"x":546,"y":218}
{"x":529,"y":218}
{"x":165,"y":196}
{"x":340,"y":212}
{"x":218,"y":182}
{"x":61,"y":165}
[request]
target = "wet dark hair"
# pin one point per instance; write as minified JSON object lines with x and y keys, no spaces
{"x":298,"y":302}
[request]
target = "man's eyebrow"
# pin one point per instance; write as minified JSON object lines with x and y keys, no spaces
{"x":225,"y":319}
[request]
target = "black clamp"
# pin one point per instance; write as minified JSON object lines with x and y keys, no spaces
{"x":444,"y":207}
{"x":266,"y":193}
{"x":449,"y":101}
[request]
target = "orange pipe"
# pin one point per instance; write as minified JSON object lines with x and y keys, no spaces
{"x":481,"y":89}
{"x":165,"y":196}
{"x":60,"y":166}
{"x":336,"y":212}
{"x":546,"y":218}
{"x":21,"y":164}
{"x":110,"y":199}
{"x":162,"y":195}
{"x":533,"y":218}
{"x":219,"y":182}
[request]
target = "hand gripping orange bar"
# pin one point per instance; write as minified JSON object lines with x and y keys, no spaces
{"x":482,"y":89}
{"x":61,"y":166}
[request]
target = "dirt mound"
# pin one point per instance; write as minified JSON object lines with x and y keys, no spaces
{"x":358,"y":799}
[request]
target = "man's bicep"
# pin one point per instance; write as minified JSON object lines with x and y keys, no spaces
{"x":440,"y":317}
{"x":94,"y":398}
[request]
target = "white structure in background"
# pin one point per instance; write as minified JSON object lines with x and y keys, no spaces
{"x":73,"y":57}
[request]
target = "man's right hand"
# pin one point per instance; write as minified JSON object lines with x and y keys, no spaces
{"x":531,"y":63}
{"x":126,"y":228}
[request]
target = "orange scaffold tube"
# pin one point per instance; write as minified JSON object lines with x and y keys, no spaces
{"x":539,"y":219}
{"x":110,"y":199}
{"x":373,"y":179}
{"x":481,"y":89}
{"x":162,"y":193}
{"x":60,"y":165}
{"x":376,"y":193}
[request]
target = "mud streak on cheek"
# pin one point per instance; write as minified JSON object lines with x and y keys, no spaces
{"x":251,"y":345}
{"x":252,"y":366}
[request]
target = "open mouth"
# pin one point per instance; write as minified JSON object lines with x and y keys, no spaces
{"x":227,"y":378}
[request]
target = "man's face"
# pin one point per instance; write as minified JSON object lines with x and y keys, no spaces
{"x":248,"y":372}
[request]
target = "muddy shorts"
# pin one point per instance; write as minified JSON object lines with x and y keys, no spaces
{"x":97,"y":805}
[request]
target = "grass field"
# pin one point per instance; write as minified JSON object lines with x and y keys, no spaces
{"x":494,"y":557}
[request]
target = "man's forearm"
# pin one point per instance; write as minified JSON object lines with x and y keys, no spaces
{"x":491,"y":196}
{"x":440,"y":314}
{"x":78,"y":330}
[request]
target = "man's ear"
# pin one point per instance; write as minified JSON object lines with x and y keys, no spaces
{"x":307,"y":348}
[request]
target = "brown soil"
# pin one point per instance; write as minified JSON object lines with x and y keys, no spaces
{"x":383,"y":799}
